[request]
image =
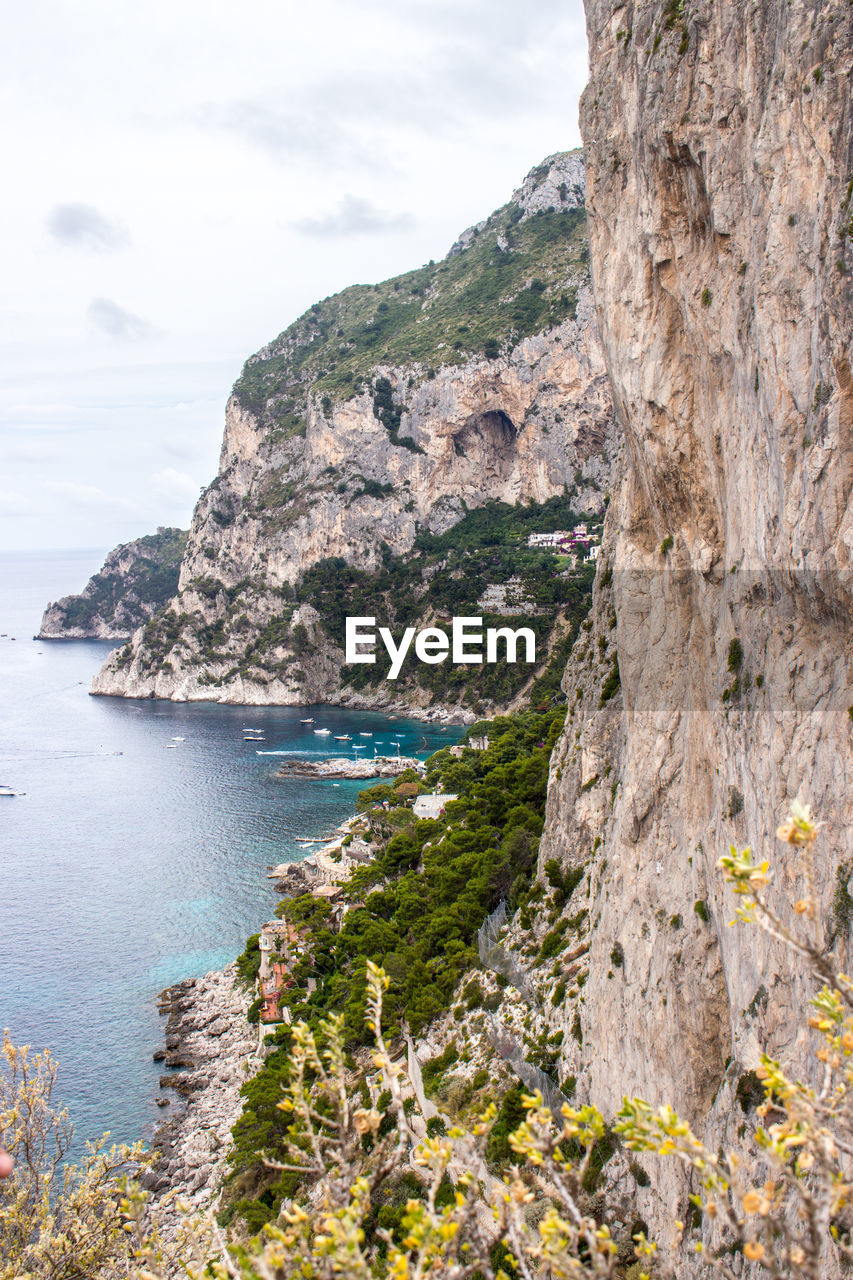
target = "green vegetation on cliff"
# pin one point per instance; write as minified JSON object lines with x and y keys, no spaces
{"x":415,"y":909}
{"x":508,"y":282}
{"x":136,"y":579}
{"x":442,"y":576}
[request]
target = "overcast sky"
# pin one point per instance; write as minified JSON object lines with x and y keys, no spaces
{"x":183,"y":178}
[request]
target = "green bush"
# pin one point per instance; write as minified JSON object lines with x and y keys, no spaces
{"x":735,"y":655}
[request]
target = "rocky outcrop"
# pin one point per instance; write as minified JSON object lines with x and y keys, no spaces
{"x":719,"y":165}
{"x":383,"y":413}
{"x":210,"y":1048}
{"x":136,"y":580}
{"x":379,"y":767}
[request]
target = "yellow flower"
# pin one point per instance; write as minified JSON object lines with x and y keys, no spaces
{"x":751,"y":1202}
{"x":753,"y":1250}
{"x":804,"y":907}
{"x":366,"y":1121}
{"x":799,"y":828}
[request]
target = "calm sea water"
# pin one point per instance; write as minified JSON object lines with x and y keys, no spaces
{"x":133,"y":860}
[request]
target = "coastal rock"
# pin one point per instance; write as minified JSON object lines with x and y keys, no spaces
{"x":378,"y":767}
{"x":355,"y":473}
{"x":717,"y":167}
{"x":136,"y":580}
{"x":217,"y":1043}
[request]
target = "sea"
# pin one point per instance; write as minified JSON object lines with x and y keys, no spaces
{"x":136,"y":851}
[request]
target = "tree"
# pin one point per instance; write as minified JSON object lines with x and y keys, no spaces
{"x":55,"y":1219}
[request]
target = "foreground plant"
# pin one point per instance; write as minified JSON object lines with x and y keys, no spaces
{"x":346,"y":1152}
{"x":788,"y":1205}
{"x":56,"y":1220}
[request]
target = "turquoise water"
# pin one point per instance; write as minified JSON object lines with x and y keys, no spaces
{"x":133,"y":861}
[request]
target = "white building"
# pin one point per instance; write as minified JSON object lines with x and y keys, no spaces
{"x":432,"y":806}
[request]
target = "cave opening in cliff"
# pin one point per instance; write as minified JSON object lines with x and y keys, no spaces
{"x":487,"y":439}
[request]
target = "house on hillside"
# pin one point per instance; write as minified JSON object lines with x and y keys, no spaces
{"x":432,"y":806}
{"x":271,"y":991}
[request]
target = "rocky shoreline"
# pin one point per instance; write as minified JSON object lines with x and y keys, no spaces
{"x":212,"y":1050}
{"x":378,"y":767}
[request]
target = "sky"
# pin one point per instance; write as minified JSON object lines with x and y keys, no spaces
{"x":184,"y":178}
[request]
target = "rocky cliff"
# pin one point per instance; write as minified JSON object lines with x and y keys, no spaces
{"x":136,"y":580}
{"x":385,"y":414}
{"x":719,"y":156}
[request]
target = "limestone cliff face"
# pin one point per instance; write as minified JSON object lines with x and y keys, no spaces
{"x":375,"y":416}
{"x":719,"y":156}
{"x":135,"y":580}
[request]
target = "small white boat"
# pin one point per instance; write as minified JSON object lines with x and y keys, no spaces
{"x":342,"y":737}
{"x":179,"y":739}
{"x":310,"y":720}
{"x":365,"y":734}
{"x":170,"y":746}
{"x":10,"y":791}
{"x":322,"y":731}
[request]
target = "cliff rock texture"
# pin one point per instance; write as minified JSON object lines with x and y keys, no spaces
{"x":136,"y":580}
{"x":385,"y":413}
{"x":719,"y":157}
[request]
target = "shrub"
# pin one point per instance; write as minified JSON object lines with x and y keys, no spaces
{"x":734,"y":661}
{"x":437,"y":1066}
{"x":736,"y":803}
{"x":612,"y":684}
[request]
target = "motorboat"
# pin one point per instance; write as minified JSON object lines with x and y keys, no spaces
{"x":310,"y":720}
{"x":365,"y":733}
{"x":342,"y":737}
{"x":322,"y":731}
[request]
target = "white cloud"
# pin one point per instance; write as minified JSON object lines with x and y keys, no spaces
{"x":175,"y":485}
{"x":114,"y":320}
{"x":355,"y":216}
{"x":16,"y":504}
{"x":117,"y":321}
{"x":88,"y":496}
{"x":28,"y":451}
{"x":82,"y":226}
